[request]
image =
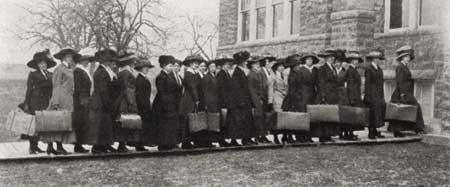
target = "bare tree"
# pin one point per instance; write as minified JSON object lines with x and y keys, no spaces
{"x":202,"y":36}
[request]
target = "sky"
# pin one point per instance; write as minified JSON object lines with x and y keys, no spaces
{"x":16,"y":51}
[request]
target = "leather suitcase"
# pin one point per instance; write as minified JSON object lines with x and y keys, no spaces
{"x":354,"y":115}
{"x":197,"y":122}
{"x":53,"y":121}
{"x":323,"y":113}
{"x":21,"y":122}
{"x":130,"y":121}
{"x":401,"y":112}
{"x":293,"y":121}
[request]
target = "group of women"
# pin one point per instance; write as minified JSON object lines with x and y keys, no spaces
{"x":246,"y":90}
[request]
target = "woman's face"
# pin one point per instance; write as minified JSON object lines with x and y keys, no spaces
{"x":354,"y":61}
{"x":169,"y":67}
{"x":226,"y":66}
{"x":406,"y":59}
{"x":42,"y":65}
{"x":338,"y":64}
{"x":280,"y":68}
{"x":177,"y":67}
{"x":69,"y":60}
{"x":202,"y":67}
{"x":145,"y":70}
{"x":309,"y":61}
{"x":84,"y":63}
{"x":255,"y":67}
{"x":212,"y":67}
{"x":218,"y":68}
{"x":194,"y":65}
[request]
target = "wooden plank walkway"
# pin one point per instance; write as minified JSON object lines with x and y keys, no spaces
{"x":18,"y":151}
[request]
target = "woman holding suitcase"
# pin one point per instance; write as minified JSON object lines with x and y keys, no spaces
{"x":143,"y":93}
{"x":404,"y":93}
{"x":62,"y":99}
{"x":39,"y":91}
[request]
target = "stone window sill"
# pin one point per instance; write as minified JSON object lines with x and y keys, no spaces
{"x":275,"y":41}
{"x":409,"y":31}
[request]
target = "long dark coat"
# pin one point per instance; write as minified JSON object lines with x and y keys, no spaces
{"x":143,"y":92}
{"x":126,"y":104}
{"x":210,"y":89}
{"x":101,"y":108}
{"x":293,"y":100}
{"x":405,"y":85}
{"x":236,"y":98}
{"x":374,"y":96}
{"x":39,"y":91}
{"x":328,"y":85}
{"x":81,"y":100}
{"x":257,"y":83}
{"x":308,"y":87}
{"x":353,"y":79}
{"x":342,"y":90}
{"x":166,"y":109}
{"x":190,"y":96}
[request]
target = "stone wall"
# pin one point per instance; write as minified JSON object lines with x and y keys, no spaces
{"x":228,"y":20}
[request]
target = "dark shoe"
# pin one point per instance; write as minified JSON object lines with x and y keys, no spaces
{"x":263,"y":139}
{"x":276,"y":140}
{"x":253,"y":142}
{"x":223,"y":143}
{"x":187,"y":145}
{"x":420,"y":132}
{"x":399,"y":135}
{"x":165,"y":148}
{"x":32,"y":151}
{"x":62,"y":151}
{"x":379,"y":135}
{"x":309,"y":140}
{"x":247,"y":142}
{"x":140,"y":149}
{"x":122,"y":148}
{"x":51,"y":150}
{"x":80,"y":149}
{"x":98,"y":150}
{"x":234,"y":143}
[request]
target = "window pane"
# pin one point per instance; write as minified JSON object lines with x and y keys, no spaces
{"x":429,"y":11}
{"x":295,"y":17}
{"x":277,"y":1}
{"x":260,"y":23}
{"x":245,"y":4}
{"x":260,"y":3}
{"x":245,"y":26}
{"x":399,"y":14}
{"x":277,"y":19}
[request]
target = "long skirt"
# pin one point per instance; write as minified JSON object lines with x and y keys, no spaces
{"x":63,"y":137}
{"x":408,"y":126}
{"x":149,"y":133}
{"x":167,"y":128}
{"x":81,"y":125}
{"x":324,"y":129}
{"x":183,"y":130}
{"x":100,"y":128}
{"x":131,"y":136}
{"x":239,"y":124}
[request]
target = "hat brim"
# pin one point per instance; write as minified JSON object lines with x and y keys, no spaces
{"x":33,"y":63}
{"x":361,"y":60}
{"x":326,"y":54}
{"x":143,"y":66}
{"x":269,"y":58}
{"x":188,"y":62}
{"x":403,"y":55}
{"x":315,"y":59}
{"x":61,"y":54}
{"x":85,"y":58}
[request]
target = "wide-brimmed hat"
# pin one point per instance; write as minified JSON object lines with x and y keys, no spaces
{"x":267,"y":57}
{"x":327,"y":52}
{"x":403,"y":49}
{"x":280,"y":62}
{"x":41,"y":56}
{"x":126,"y":58}
{"x":143,"y":62}
{"x":340,"y":55}
{"x":86,"y":54}
{"x":293,"y":60}
{"x":221,"y":60}
{"x":106,"y":55}
{"x":354,"y":55}
{"x":376,"y":54}
{"x":309,"y":55}
{"x":61,"y":54}
{"x":241,"y":56}
{"x":193,"y":58}
{"x":165,"y":59}
{"x":406,"y":53}
{"x":253,"y":60}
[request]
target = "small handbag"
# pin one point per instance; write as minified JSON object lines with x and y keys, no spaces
{"x":130,"y":121}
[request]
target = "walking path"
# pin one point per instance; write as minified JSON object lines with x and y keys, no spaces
{"x":18,"y":151}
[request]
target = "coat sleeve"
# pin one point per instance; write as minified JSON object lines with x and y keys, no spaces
{"x":164,"y":92}
{"x":368,"y":76}
{"x":101,"y":84}
{"x":351,"y":79}
{"x":252,"y":86}
{"x":270,"y":88}
{"x":322,"y":82}
{"x":401,"y":80}
{"x":129,"y":90}
{"x":30,"y":87}
{"x":58,"y":80}
{"x":83,"y":90}
{"x":142,"y":99}
{"x":191,"y":85}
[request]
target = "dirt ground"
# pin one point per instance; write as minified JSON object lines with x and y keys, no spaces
{"x":413,"y":164}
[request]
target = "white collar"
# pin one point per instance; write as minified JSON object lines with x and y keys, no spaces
{"x":404,"y":63}
{"x":165,"y":71}
{"x":374,"y":65}
{"x":310,"y":68}
{"x":111,"y":73}
{"x":64,"y":63}
{"x":143,"y":74}
{"x":352,"y":65}
{"x":191,"y":70}
{"x":329,"y":65}
{"x":79,"y":66}
{"x":125,"y":68}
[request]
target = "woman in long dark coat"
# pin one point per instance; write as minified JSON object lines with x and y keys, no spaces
{"x":374,"y":93}
{"x":404,"y":93}
{"x":39,"y":91}
{"x":83,"y":89}
{"x":102,"y":103}
{"x":308,"y":89}
{"x":342,"y":90}
{"x":237,"y":100}
{"x":190,"y":101}
{"x":353,"y":79}
{"x":293,"y":100}
{"x":143,"y":93}
{"x":166,"y":105}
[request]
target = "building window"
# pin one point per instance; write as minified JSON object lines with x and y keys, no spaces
{"x":277,"y":17}
{"x":429,"y":11}
{"x":399,"y":14}
{"x":411,"y":14}
{"x":295,"y":16}
{"x":260,"y":19}
{"x":245,"y":13}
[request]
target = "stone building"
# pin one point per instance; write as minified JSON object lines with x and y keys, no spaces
{"x":283,"y":27}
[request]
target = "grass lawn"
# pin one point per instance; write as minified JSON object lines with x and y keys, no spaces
{"x":413,"y":164}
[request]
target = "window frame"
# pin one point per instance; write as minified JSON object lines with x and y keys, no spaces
{"x":414,"y":17}
{"x":257,"y":8}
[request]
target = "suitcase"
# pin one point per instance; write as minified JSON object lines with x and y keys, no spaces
{"x":293,"y":121}
{"x":213,"y":121}
{"x":401,"y":112}
{"x":354,"y":115}
{"x":53,"y":121}
{"x":21,"y":122}
{"x":223,"y":117}
{"x":197,"y":122}
{"x":323,"y":113}
{"x":130,"y":121}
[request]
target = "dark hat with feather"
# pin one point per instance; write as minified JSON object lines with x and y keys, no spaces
{"x":42,"y":56}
